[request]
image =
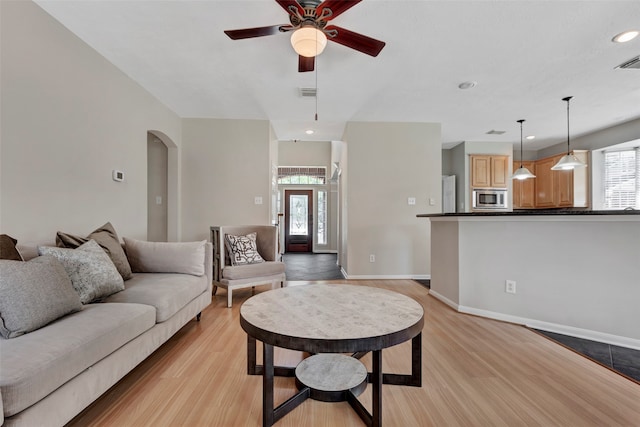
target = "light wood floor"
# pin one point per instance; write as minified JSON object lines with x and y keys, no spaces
{"x":476,"y":372}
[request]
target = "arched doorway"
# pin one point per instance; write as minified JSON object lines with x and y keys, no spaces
{"x":163,"y":171}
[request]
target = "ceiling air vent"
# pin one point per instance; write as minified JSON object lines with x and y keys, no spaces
{"x":632,"y":63}
{"x":308,"y":91}
{"x":495,"y":132}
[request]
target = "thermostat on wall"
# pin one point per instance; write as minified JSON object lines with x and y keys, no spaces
{"x":117,"y":175}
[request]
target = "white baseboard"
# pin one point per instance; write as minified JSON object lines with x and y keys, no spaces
{"x":444,"y":299}
{"x":552,"y":327}
{"x":385,"y":277}
{"x":543,"y":326}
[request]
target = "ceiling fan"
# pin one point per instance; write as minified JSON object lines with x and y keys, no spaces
{"x":311,"y":30}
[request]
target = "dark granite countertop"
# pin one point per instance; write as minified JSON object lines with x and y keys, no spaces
{"x":533,"y":212}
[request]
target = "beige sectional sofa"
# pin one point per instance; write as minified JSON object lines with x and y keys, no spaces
{"x":49,"y":375}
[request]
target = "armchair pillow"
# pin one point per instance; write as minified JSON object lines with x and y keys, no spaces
{"x":92,"y":272}
{"x":107,"y":238}
{"x":166,"y":257}
{"x":33,"y":294}
{"x":242,"y":249}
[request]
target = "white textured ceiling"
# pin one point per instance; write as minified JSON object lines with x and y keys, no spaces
{"x":525,"y":55}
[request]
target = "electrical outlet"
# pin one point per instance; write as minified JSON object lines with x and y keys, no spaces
{"x":257,"y":200}
{"x":411,"y":201}
{"x":510,"y":286}
{"x":372,"y":258}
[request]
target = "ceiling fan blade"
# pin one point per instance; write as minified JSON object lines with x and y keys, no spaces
{"x":355,"y":41}
{"x":305,"y":64}
{"x":247,"y":33}
{"x":286,"y":3}
{"x":337,"y":7}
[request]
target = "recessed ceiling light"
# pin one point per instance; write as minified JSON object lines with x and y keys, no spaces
{"x":625,"y":36}
{"x":531,"y":137}
{"x":309,"y":132}
{"x":467,"y":85}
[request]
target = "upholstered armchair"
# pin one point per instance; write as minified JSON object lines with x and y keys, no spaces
{"x":242,"y":269}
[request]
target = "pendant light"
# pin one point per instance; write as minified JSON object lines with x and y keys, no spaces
{"x":522,"y":173}
{"x":568,"y":161}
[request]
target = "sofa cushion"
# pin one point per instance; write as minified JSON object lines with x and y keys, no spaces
{"x":107,"y":238}
{"x":36,"y":364}
{"x":166,"y":257}
{"x":242,"y":250}
{"x":92,"y":272}
{"x":167,"y":292}
{"x":8,"y":248}
{"x":267,"y":268}
{"x":33,"y":294}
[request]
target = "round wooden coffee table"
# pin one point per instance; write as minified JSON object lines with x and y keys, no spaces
{"x":331,"y":319}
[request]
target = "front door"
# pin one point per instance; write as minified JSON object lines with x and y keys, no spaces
{"x":298,"y":220}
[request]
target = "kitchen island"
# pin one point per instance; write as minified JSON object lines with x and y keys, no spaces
{"x":576,"y":272}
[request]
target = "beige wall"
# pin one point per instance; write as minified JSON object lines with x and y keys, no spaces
{"x":225,"y":164}
{"x":305,"y":153}
{"x":69,"y":117}
{"x":387,"y":164}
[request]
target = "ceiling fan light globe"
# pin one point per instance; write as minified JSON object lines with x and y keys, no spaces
{"x":308,"y":41}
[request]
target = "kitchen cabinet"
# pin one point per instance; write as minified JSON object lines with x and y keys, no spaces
{"x":561,"y":189}
{"x":524,"y":191}
{"x":489,"y":171}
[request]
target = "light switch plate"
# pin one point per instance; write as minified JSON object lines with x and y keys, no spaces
{"x":411,"y":200}
{"x":257,"y":200}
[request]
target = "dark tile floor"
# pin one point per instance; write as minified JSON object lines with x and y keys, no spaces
{"x":308,"y":266}
{"x":621,"y":359}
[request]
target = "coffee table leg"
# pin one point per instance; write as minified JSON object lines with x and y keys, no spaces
{"x":376,"y":381}
{"x":251,"y":355}
{"x":267,"y":385}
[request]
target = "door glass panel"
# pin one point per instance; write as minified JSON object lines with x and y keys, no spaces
{"x":298,"y":215}
{"x":322,"y":217}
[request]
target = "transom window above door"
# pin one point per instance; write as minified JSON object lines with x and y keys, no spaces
{"x":302,"y":175}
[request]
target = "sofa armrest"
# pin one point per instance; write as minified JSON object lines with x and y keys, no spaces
{"x":208,"y":261}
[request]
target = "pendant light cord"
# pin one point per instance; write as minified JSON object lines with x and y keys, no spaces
{"x":568,"y":98}
{"x":521,"y":121}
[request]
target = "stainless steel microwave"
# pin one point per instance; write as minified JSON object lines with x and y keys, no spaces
{"x":489,"y":198}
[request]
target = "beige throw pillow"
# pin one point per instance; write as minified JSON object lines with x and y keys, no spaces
{"x":165,"y":257}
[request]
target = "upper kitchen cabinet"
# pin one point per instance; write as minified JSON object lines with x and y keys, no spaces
{"x":524,"y":191}
{"x":489,"y":171}
{"x":560,"y":189}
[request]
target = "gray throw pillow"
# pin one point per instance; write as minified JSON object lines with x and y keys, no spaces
{"x":92,"y":272}
{"x":107,"y":238}
{"x":33,"y":294}
{"x":242,"y":249}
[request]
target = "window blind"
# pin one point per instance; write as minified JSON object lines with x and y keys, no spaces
{"x":622,"y":179}
{"x":302,"y":175}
